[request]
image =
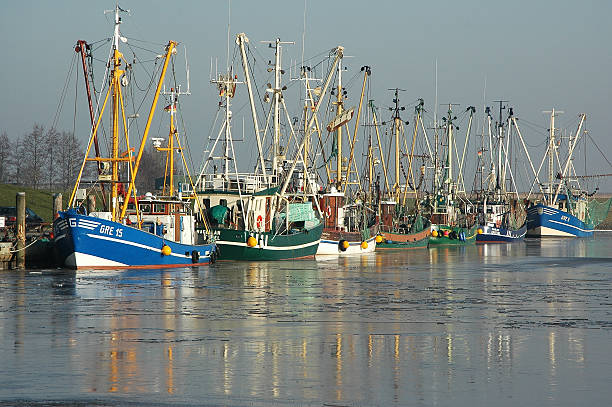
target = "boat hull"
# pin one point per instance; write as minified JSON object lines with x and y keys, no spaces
{"x":232,"y":244}
{"x":545,"y":221}
{"x":87,"y":242}
{"x":492,"y":234}
{"x":393,"y":240}
{"x":469,"y":236}
{"x":330,"y":243}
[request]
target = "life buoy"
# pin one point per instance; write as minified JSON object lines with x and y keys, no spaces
{"x":343,"y":245}
{"x":259,"y":221}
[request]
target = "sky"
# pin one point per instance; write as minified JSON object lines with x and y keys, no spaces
{"x":537,"y":55}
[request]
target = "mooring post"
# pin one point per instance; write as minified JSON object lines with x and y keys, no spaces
{"x":57,"y":204}
{"x":91,"y":203}
{"x":20,"y":231}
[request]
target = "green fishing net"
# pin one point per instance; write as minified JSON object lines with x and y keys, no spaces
{"x":597,"y":211}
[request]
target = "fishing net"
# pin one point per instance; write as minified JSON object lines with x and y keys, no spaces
{"x":417,"y":225}
{"x":219,"y":213}
{"x":597,"y":211}
{"x":516,"y":216}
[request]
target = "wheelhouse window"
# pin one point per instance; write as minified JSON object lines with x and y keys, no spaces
{"x":159,"y":208}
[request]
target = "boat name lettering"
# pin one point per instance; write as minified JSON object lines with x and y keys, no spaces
{"x":110,"y":230}
{"x":565,"y":218}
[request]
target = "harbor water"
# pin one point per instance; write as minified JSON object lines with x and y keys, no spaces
{"x":521,"y":324}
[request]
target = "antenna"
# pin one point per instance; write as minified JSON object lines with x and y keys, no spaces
{"x":187,"y":70}
{"x":500,"y":123}
{"x":117,"y":36}
{"x":304,"y":33}
{"x":229,"y":19}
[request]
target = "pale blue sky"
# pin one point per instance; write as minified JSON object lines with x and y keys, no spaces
{"x":536,"y":54}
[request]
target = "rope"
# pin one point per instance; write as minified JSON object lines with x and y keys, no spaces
{"x":21,"y":236}
{"x":18,"y":250}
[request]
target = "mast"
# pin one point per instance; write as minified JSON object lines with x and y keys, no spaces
{"x":339,"y":108}
{"x":366,"y":72}
{"x":170,"y":49}
{"x":171,"y":140}
{"x":339,"y":51}
{"x":570,"y":154}
{"x":380,"y":148}
{"x":449,"y":157}
{"x":551,"y":155}
{"x":277,"y":100}
{"x":172,"y":135}
{"x":116,"y":75}
{"x":241,"y":40}
{"x":551,"y":148}
{"x":82,"y":48}
{"x":397,"y":124}
{"x":500,"y":187}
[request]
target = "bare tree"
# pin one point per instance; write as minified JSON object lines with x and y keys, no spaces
{"x":68,"y":158}
{"x":152,"y":166}
{"x":5,"y":158}
{"x":16,"y":162}
{"x":52,"y":141}
{"x":32,"y":153}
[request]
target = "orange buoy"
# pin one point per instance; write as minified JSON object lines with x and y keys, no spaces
{"x":251,"y":241}
{"x":480,"y":231}
{"x":364,"y":245}
{"x":379,"y":239}
{"x":343,"y":245}
{"x":166,"y":250}
{"x":434,"y":233}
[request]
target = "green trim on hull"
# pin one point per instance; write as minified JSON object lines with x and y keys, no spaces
{"x":419,"y":244}
{"x":232,"y":244}
{"x":470,"y":236}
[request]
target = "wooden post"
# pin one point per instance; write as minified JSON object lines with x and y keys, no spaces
{"x":57,"y":204}
{"x":20,"y":229}
{"x":91,"y":204}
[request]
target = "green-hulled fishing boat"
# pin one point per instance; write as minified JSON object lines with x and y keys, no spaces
{"x":401,"y":227}
{"x":271,"y":213}
{"x":453,"y":221}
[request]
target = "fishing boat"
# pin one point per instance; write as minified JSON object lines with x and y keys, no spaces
{"x":399,"y":226}
{"x":499,"y":210}
{"x":270,"y":213}
{"x":565,"y":209}
{"x":132,"y":231}
{"x":349,"y":220}
{"x":452,"y":214}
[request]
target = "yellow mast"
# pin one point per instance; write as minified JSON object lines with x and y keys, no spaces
{"x":411,"y":157}
{"x":366,"y":71}
{"x":380,"y":149}
{"x":339,"y":109}
{"x":117,"y":72}
{"x":169,"y":50}
{"x":170,"y":149}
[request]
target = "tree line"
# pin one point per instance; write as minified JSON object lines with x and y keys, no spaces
{"x":40,"y":159}
{"x":51,"y":159}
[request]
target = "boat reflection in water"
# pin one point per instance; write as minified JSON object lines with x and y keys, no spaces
{"x":469,"y":324}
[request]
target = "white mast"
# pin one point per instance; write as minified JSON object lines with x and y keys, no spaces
{"x":551,"y":154}
{"x":277,"y":100}
{"x":241,"y":40}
